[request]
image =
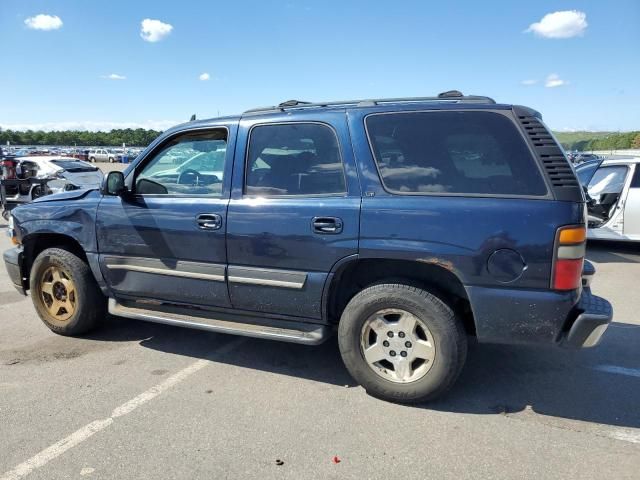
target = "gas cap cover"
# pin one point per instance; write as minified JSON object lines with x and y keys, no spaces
{"x":506,"y":265}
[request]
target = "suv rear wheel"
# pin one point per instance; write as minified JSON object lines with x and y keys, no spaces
{"x":401,"y":343}
{"x":65,"y":294}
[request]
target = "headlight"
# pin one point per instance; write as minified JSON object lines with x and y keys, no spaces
{"x":12,"y":232}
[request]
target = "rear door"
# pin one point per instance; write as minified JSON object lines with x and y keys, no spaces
{"x":166,"y":241}
{"x":294,"y":212}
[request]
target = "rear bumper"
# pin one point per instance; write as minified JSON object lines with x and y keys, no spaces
{"x":594,"y":316}
{"x":514,"y":316}
{"x":13,"y":264}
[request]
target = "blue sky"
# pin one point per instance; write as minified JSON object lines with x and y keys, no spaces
{"x":263,"y":52}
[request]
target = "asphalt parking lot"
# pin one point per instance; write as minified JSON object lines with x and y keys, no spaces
{"x":140,"y":400}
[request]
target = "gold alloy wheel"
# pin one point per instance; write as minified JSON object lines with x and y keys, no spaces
{"x":58,"y":293}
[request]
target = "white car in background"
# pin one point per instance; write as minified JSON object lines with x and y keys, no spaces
{"x":65,"y":173}
{"x":613,"y":186}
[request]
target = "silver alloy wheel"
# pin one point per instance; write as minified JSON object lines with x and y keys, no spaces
{"x":397,"y":345}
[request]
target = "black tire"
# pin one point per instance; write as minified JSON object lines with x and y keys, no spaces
{"x":447,"y":332}
{"x":90,"y":304}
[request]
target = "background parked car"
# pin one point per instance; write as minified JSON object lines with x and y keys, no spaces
{"x":613,"y":187}
{"x":102,"y":155}
{"x":66,"y":173}
{"x":581,"y":157}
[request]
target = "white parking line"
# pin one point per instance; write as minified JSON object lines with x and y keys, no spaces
{"x":631,"y":372}
{"x":626,"y":435}
{"x":82,"y":434}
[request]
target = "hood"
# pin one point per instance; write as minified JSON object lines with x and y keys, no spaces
{"x":70,"y":195}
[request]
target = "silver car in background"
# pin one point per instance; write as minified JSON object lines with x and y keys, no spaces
{"x":613,"y":187}
{"x":102,"y":155}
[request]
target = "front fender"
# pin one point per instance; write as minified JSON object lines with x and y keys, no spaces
{"x":73,"y":219}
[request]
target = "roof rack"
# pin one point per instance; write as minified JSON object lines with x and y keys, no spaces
{"x":450,"y":96}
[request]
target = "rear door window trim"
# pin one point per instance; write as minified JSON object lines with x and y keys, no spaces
{"x":342,"y":194}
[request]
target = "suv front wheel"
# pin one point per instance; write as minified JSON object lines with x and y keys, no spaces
{"x":65,"y":294}
{"x":401,"y":343}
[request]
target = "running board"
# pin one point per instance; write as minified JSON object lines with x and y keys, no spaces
{"x":283,"y":330}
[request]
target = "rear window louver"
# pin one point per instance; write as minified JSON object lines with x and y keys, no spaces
{"x":556,"y":166}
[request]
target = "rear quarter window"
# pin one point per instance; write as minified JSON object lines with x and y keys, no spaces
{"x":469,"y":152}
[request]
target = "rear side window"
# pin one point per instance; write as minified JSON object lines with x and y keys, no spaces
{"x":294,"y":159}
{"x":453,"y":153}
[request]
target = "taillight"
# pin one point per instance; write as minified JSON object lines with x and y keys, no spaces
{"x":570,"y":249}
{"x":8,"y":169}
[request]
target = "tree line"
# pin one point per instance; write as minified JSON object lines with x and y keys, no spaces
{"x":587,"y":141}
{"x":138,"y":137}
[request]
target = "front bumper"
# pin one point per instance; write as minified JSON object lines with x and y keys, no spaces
{"x":13,"y":264}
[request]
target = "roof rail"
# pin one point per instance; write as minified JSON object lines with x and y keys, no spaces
{"x":454,"y":96}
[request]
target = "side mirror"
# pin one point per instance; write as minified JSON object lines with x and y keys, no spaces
{"x":114,"y":184}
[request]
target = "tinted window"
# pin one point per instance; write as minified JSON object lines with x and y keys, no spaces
{"x":294,"y":159}
{"x":453,"y":152}
{"x":191,"y":164}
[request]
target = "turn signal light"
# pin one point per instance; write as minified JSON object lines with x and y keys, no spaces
{"x":570,"y":250}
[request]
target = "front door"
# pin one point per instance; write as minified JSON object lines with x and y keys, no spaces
{"x":165,"y":240}
{"x":632,"y":206}
{"x":294,"y":213}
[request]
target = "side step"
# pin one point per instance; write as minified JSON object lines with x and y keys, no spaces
{"x":283,"y":330}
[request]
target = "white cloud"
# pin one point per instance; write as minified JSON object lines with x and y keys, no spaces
{"x":553,"y":80}
{"x":154,"y":30}
{"x":204,"y":76}
{"x":90,"y":125}
{"x":114,"y":76}
{"x":565,"y":24}
{"x":528,"y":82}
{"x":44,"y":22}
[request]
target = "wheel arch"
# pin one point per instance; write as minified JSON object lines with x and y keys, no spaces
{"x":353,"y":274}
{"x":36,"y":243}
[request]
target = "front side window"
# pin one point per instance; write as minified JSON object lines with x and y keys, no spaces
{"x":609,"y":179}
{"x":190,"y":164}
{"x":294,"y":159}
{"x":470,"y":152}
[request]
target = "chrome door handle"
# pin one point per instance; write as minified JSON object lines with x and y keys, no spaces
{"x":327,"y":225}
{"x":209,"y":221}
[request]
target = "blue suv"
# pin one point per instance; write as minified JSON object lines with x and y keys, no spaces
{"x":406,"y":225}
